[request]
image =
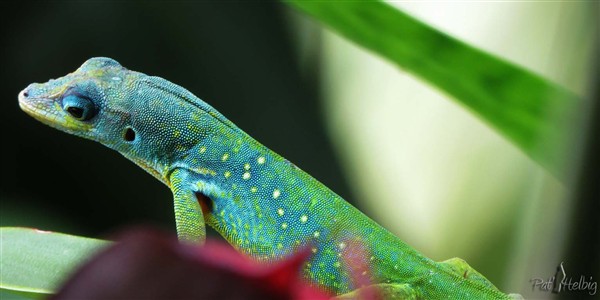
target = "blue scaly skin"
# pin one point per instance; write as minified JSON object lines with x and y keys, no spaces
{"x":261,"y":203}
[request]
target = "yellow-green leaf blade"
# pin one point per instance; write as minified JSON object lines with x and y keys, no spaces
{"x":530,"y":111}
{"x":35,"y":261}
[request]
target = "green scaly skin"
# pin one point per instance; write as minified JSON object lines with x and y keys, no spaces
{"x":261,"y":203}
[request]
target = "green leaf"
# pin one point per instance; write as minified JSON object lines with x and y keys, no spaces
{"x":37,"y":262}
{"x":532,"y":112}
{"x":6,"y":294}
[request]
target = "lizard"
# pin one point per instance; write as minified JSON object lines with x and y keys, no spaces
{"x":262,"y":204}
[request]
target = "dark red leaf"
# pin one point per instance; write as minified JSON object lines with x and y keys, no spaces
{"x":150,"y":265}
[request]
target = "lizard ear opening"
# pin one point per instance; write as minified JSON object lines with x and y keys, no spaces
{"x":206,"y":204}
{"x":129,"y":134}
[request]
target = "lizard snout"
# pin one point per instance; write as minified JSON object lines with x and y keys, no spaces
{"x":23,"y":94}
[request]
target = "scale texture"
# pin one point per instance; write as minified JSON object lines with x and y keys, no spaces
{"x":261,"y":203}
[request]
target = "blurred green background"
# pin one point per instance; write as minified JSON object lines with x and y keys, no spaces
{"x":396,"y":147}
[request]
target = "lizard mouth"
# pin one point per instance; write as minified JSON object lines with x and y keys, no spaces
{"x":49,"y":111}
{"x":38,"y":108}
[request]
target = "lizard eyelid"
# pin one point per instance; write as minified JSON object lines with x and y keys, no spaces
{"x":78,"y":107}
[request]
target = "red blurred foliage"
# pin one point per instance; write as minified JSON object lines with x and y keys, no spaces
{"x":147,"y":264}
{"x":355,"y":259}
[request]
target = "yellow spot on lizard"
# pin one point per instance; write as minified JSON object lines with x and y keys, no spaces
{"x":303,"y":219}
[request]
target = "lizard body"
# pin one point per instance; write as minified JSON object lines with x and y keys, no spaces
{"x":261,"y":203}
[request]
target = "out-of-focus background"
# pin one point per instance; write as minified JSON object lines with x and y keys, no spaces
{"x":399,"y":149}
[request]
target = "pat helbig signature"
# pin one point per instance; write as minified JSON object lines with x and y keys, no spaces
{"x":560,"y":282}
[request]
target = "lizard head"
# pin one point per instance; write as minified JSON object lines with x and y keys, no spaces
{"x":149,"y":120}
{"x":76,"y":102}
{"x":94,"y":102}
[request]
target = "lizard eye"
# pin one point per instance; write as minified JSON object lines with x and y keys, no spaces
{"x":78,"y":107}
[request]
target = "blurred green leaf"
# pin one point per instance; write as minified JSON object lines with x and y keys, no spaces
{"x":532,"y":112}
{"x":6,"y":294}
{"x":36,"y":262}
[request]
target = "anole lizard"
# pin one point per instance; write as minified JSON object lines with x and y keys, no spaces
{"x":261,"y":203}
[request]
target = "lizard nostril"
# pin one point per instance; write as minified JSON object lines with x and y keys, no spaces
{"x":25,"y":94}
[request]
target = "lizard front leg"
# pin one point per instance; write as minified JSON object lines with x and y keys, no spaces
{"x":188,"y":213}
